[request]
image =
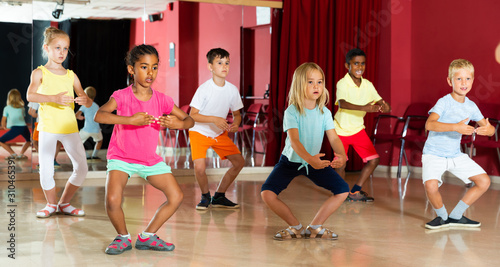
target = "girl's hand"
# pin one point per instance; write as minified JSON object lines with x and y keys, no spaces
{"x":338,"y":161}
{"x":141,"y":118}
{"x":221,"y":123}
{"x":318,"y":163}
{"x":81,"y":100}
{"x":170,"y":121}
{"x":80,"y":117}
{"x":63,"y":99}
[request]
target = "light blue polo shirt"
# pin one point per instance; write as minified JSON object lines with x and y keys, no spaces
{"x":311,"y":125}
{"x":447,"y":144}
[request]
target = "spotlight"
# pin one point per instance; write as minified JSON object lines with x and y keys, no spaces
{"x":58,"y":10}
{"x":155,"y":17}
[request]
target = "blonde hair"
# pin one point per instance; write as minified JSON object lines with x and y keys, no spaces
{"x":50,"y":34}
{"x":14,"y":99}
{"x":91,"y":92}
{"x":458,"y":64}
{"x":298,"y":88}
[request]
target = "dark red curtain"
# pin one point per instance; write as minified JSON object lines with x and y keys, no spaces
{"x":319,"y":31}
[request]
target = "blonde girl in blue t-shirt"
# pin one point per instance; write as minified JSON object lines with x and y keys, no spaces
{"x":13,"y":119}
{"x":54,"y":87}
{"x":306,"y":121}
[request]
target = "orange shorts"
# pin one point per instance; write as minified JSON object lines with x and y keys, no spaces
{"x":35,"y":132}
{"x":222,"y":145}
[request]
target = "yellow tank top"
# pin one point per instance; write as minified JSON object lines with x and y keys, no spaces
{"x":56,"y":118}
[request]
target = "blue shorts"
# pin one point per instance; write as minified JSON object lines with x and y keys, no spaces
{"x":142,"y":170}
{"x":285,"y":171}
{"x":14,"y":132}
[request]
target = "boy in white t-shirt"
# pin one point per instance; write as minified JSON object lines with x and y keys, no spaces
{"x":447,"y":122}
{"x":209,"y":109}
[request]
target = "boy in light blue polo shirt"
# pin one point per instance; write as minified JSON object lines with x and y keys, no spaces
{"x":90,"y":128}
{"x":447,"y":122}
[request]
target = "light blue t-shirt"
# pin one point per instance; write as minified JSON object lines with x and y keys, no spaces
{"x":15,"y":116}
{"x":311,"y":125}
{"x":90,"y":125}
{"x":447,"y":144}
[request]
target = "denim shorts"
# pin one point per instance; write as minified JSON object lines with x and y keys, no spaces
{"x":139,"y":169}
{"x":285,"y":171}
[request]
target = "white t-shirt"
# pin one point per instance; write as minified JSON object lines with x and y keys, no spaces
{"x":213,"y":100}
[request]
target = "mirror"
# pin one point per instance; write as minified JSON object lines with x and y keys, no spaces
{"x":16,"y":31}
{"x":182,"y":42}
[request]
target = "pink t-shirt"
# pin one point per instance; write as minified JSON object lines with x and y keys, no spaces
{"x":137,"y":144}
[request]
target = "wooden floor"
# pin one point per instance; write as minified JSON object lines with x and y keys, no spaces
{"x":388,"y":232}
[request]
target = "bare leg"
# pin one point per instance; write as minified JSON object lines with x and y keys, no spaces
{"x":328,"y":208}
{"x":68,"y":193}
{"x":367,"y":171}
{"x":279,"y":207}
{"x":25,"y":147}
{"x":432,"y":191}
{"x":169,"y":186}
{"x":7,"y":147}
{"x":237,"y":161}
{"x":115,"y":184}
{"x":201,"y":176}
{"x":481,"y":184}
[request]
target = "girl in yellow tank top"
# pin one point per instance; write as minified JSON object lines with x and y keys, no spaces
{"x":54,"y":87}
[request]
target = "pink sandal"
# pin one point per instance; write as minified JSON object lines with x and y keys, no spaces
{"x":43,"y":213}
{"x":74,"y":212}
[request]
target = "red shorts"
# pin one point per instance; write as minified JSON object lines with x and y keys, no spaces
{"x":222,"y":145}
{"x":361,"y":144}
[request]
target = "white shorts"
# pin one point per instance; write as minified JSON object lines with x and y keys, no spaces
{"x":95,"y":136}
{"x":462,"y":166}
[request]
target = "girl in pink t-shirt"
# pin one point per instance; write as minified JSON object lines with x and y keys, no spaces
{"x":132,"y":149}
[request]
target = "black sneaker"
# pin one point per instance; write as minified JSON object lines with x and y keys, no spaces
{"x":437,"y":223}
{"x":223,"y":202}
{"x":204,"y":203}
{"x":359,"y":196}
{"x":463,"y":222}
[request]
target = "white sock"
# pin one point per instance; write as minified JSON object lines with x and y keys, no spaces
{"x":126,"y":236}
{"x":146,"y":234}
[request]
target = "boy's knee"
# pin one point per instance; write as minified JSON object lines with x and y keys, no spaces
{"x":431,"y":186}
{"x":374,"y":162}
{"x":482,"y":181}
{"x":239,"y":162}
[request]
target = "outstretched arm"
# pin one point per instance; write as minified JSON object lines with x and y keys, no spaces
{"x":105,"y":115}
{"x":338,"y":149}
{"x":33,"y":96}
{"x":177,"y":119}
{"x":315,"y":161}
{"x":82,"y":98}
{"x":432,"y":124}
{"x":485,"y":128}
{"x":370,"y":107}
{"x":218,"y":121}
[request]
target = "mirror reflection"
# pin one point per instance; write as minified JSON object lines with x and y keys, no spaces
{"x":102,"y":32}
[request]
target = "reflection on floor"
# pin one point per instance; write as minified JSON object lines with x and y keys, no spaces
{"x":388,"y":232}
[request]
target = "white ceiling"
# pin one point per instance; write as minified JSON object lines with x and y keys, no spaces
{"x":24,"y":10}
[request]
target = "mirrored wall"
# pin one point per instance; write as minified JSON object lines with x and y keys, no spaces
{"x":182,"y":32}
